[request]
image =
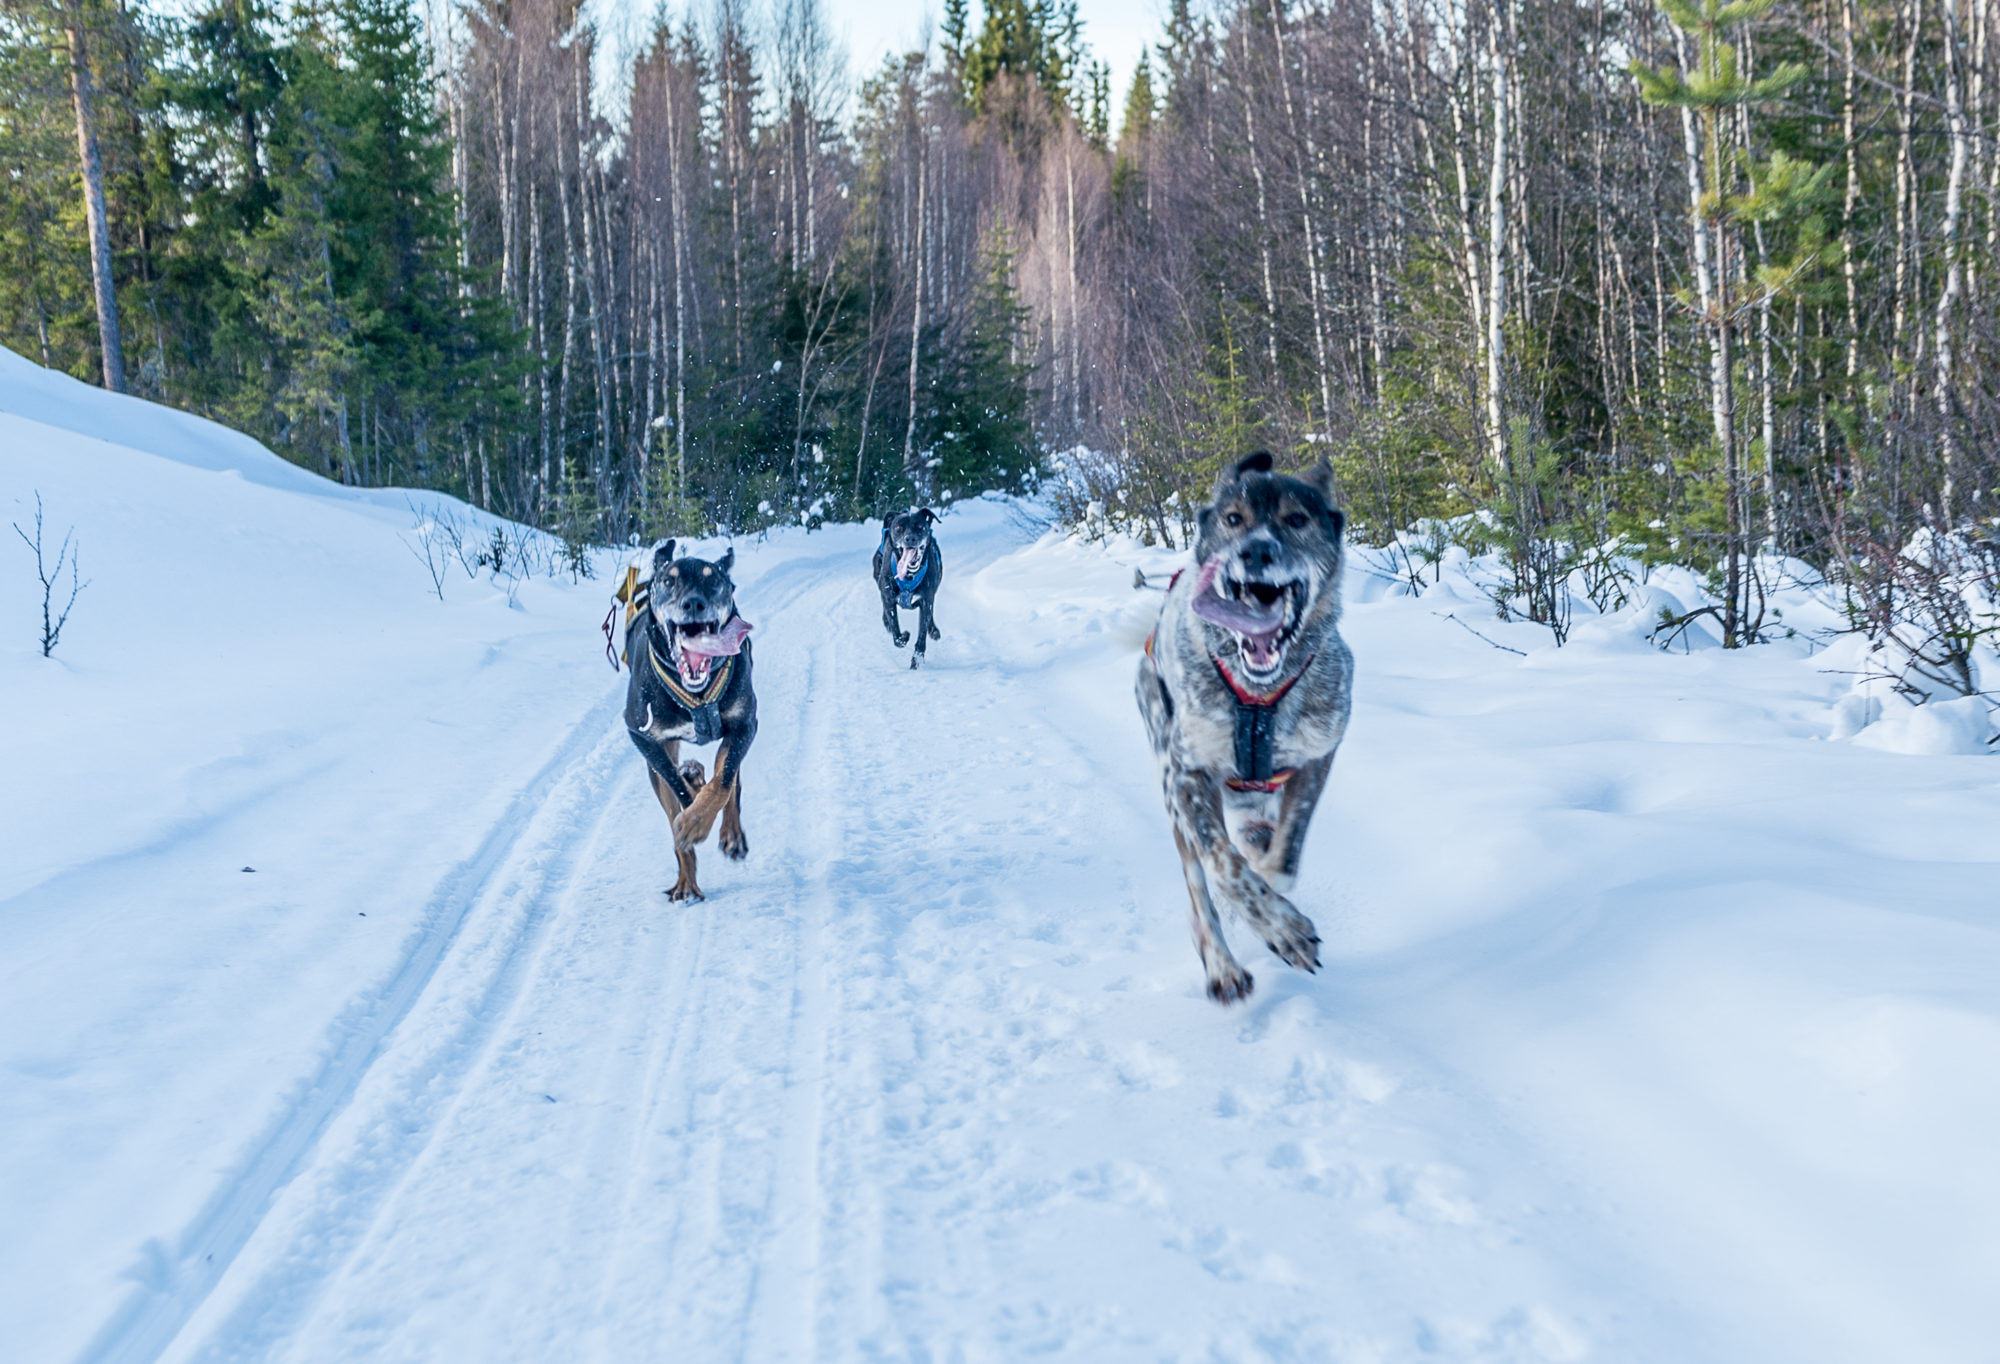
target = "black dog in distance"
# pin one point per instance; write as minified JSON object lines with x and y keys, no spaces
{"x":909,"y":566}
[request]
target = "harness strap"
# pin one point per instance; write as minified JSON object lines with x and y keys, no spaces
{"x":1275,"y":782}
{"x":1256,"y":726}
{"x":1156,"y":629}
{"x":631,"y":594}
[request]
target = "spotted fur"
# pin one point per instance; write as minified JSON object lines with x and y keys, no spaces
{"x":1279,"y":537}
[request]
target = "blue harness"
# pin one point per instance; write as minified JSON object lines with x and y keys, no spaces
{"x":906,"y":588}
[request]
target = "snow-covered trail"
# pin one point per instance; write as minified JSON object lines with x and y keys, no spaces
{"x":1653,"y":1027}
{"x":919,"y":1080}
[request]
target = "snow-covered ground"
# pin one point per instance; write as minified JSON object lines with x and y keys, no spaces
{"x":1655,"y":1025}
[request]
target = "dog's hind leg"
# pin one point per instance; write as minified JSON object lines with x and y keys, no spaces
{"x":1228,"y":982}
{"x":731,"y":840}
{"x":1279,"y":864}
{"x":1194,"y":798}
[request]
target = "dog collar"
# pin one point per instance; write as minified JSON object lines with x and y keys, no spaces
{"x":670,"y":678}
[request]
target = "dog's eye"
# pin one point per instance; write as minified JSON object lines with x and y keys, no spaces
{"x":1232,"y":519}
{"x":1297,"y":520}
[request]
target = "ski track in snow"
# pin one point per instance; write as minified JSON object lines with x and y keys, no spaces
{"x":158,"y":1310}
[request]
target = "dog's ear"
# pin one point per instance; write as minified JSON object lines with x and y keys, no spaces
{"x":1257,"y":463}
{"x":663,"y":554}
{"x":930,"y":517}
{"x":728,"y":559}
{"x":1320,"y":477}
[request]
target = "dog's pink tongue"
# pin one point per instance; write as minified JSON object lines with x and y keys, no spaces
{"x":728,"y":640}
{"x":909,"y":561}
{"x":1231,"y":614}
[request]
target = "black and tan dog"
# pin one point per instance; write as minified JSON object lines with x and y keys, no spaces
{"x":1245,"y":690}
{"x":690,"y":657}
{"x":909,"y":566}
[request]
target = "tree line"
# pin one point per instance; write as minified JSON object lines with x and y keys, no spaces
{"x":1703,"y":280}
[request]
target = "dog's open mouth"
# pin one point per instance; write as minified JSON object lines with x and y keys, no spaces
{"x":700,"y":642}
{"x":908,"y":561}
{"x":1263,"y":616}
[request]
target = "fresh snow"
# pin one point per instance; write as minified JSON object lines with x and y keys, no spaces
{"x":1656,"y":1024}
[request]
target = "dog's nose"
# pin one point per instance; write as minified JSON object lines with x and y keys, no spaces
{"x":696,"y":604}
{"x":1257,"y":555}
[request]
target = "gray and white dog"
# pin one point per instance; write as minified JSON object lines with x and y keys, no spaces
{"x":909,"y":567}
{"x":1245,"y":690}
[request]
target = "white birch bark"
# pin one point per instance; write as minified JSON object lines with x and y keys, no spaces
{"x":110,"y":346}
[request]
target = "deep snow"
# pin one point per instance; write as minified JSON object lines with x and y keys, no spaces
{"x":1655,"y":1025}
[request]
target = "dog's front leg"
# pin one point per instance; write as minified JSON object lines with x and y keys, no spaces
{"x":695,"y":822}
{"x":1228,"y":982}
{"x":663,"y":761}
{"x":1194,"y":798}
{"x":889,"y":621}
{"x":926,"y":632}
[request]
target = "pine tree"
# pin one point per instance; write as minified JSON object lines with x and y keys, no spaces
{"x":980,"y":436}
{"x":1715,"y":85}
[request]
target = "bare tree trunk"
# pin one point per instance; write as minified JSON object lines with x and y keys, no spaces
{"x":1907,"y":266}
{"x":677,"y":212}
{"x":1075,"y":358}
{"x":653,"y":374}
{"x":1310,"y":226}
{"x":1767,"y":397}
{"x":569,"y":319}
{"x":1263,"y":210}
{"x":1852,"y":197}
{"x":1470,"y":269}
{"x":1954,"y":270}
{"x":1496,"y":246}
{"x":538,"y":311}
{"x":585,"y":163}
{"x":918,"y":477}
{"x":109,"y":343}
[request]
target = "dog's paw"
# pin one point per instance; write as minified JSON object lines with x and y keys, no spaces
{"x":734,"y":845}
{"x":1296,"y":942}
{"x":916,"y":658}
{"x":902,"y":638}
{"x":684,"y":891}
{"x":1233,"y":986}
{"x":935,"y":632}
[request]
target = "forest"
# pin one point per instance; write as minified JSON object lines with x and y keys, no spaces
{"x":1592,"y":282}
